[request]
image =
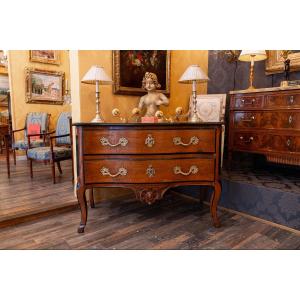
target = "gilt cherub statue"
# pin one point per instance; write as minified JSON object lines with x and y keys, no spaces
{"x":153,"y":99}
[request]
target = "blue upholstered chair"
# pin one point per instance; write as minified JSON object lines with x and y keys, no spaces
{"x":40,"y":118}
{"x":60,"y":146}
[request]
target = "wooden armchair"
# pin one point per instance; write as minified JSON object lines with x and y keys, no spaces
{"x":60,"y":146}
{"x":40,"y":118}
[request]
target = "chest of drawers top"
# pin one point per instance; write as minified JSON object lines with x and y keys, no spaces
{"x":265,"y":99}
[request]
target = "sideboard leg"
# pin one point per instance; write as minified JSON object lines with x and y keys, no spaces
{"x":214,"y":203}
{"x":83,"y":208}
{"x":91,"y":197}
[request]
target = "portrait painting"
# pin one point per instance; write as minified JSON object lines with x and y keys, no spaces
{"x":45,"y":56}
{"x":275,"y":61}
{"x":130,"y":66}
{"x":44,"y":86}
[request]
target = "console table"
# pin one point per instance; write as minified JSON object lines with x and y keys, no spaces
{"x":266,"y":121}
{"x":148,"y":158}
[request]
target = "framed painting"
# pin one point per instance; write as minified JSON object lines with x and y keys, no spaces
{"x":130,"y":66}
{"x":275,"y":62}
{"x":45,"y":56}
{"x":44,"y":87}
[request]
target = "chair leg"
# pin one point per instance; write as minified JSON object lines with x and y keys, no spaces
{"x":14,"y":152}
{"x":53,"y":171}
{"x":30,"y":165}
{"x":59,"y":167}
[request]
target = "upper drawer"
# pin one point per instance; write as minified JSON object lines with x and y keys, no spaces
{"x":249,"y":101}
{"x":143,"y":141}
{"x":282,"y":101}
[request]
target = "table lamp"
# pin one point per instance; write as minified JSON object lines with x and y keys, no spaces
{"x":96,"y":75}
{"x":252,"y":56}
{"x":194,"y":74}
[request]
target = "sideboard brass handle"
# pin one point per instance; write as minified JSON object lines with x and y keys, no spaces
{"x":193,"y":141}
{"x":288,"y":142}
{"x":122,"y":142}
{"x":149,"y":141}
{"x":253,"y":101}
{"x":291,"y":99}
{"x":105,"y":172}
{"x":247,"y":141}
{"x":252,"y":118}
{"x":193,"y":170}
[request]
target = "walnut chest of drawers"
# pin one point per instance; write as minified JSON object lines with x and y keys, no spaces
{"x":148,"y":158}
{"x":266,"y":121}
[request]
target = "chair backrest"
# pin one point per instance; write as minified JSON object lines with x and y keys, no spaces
{"x":40,"y":118}
{"x":63,"y":127}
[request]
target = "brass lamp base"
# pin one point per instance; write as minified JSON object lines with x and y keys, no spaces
{"x":97,"y":119}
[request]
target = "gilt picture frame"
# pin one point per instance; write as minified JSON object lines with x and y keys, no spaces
{"x":44,"y":87}
{"x":275,"y":62}
{"x":45,"y":56}
{"x":130,"y":66}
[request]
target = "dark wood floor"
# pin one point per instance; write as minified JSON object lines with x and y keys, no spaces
{"x":21,"y":196}
{"x":124,"y":223}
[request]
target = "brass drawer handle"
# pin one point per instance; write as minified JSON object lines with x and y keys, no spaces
{"x":252,"y":118}
{"x":291,"y":99}
{"x":290,"y":119}
{"x":193,"y":141}
{"x":288,"y":142}
{"x":149,"y":141}
{"x":247,"y":141}
{"x":193,"y":170}
{"x":122,"y":142}
{"x":105,"y":172}
{"x":252,"y":101}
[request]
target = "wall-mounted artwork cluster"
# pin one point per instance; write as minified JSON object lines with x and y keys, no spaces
{"x":44,"y":87}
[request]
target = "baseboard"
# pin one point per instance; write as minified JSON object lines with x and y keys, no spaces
{"x":242,"y":214}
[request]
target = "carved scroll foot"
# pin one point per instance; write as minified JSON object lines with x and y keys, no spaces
{"x":83,"y":207}
{"x":81,"y":228}
{"x":214,"y":204}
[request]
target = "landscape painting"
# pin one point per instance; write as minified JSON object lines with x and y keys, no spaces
{"x":45,"y":56}
{"x":44,"y":87}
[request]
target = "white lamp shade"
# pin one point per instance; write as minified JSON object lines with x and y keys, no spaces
{"x":193,"y":73}
{"x":96,"y":73}
{"x":256,"y":55}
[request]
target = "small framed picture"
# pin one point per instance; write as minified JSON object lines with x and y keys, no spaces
{"x":210,"y":108}
{"x":45,"y":56}
{"x":45,"y":87}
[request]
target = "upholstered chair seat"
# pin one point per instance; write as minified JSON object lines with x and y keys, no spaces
{"x":44,"y":153}
{"x":23,"y":144}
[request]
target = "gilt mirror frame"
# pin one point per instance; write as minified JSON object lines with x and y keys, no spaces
{"x":275,"y":63}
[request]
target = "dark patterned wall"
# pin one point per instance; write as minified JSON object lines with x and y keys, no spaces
{"x":225,"y":76}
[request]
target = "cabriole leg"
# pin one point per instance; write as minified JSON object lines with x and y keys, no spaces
{"x":83,"y":207}
{"x":214,"y":203}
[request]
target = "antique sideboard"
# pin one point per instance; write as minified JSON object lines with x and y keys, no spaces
{"x":148,"y":158}
{"x":266,"y":121}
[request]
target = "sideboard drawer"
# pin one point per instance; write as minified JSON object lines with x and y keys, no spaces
{"x":165,"y":168}
{"x":253,"y":101}
{"x":273,"y":142}
{"x":291,"y":100}
{"x":149,"y":141}
{"x":267,"y":119}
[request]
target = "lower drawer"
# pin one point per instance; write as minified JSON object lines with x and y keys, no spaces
{"x":165,"y":168}
{"x":254,"y":141}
